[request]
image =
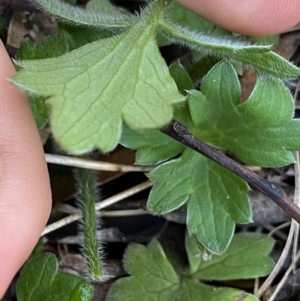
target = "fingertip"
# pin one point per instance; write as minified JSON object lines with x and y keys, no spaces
{"x":249,"y":17}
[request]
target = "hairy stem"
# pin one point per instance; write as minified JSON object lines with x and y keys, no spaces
{"x":87,"y":197}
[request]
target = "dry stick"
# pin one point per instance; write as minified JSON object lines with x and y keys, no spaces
{"x":179,"y":132}
{"x":103,"y":204}
{"x":93,"y":164}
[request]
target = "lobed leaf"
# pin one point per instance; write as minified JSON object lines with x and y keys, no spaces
{"x":246,"y":257}
{"x":88,"y":104}
{"x":152,"y":276}
{"x":52,"y":46}
{"x":260,"y":131}
{"x":153,"y":146}
{"x":215,"y":197}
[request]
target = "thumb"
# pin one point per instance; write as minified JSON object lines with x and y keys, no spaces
{"x":249,"y":17}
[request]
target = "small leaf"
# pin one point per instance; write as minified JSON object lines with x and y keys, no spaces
{"x":88,"y":104}
{"x":36,"y":278}
{"x":52,"y":46}
{"x":38,"y":282}
{"x":181,"y":77}
{"x":259,"y":56}
{"x":75,"y":15}
{"x":260,"y":131}
{"x":68,"y":287}
{"x":215,"y":197}
{"x":79,"y":36}
{"x":246,"y":257}
{"x":39,"y":110}
{"x":152,"y":276}
{"x":153,"y":146}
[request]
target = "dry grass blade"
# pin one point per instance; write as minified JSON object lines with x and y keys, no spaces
{"x":94,"y":165}
{"x":293,"y":230}
{"x":296,"y":226}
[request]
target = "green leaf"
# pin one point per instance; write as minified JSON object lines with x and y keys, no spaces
{"x":68,"y":287}
{"x":36,"y":278}
{"x":192,"y":289}
{"x":88,"y":104}
{"x":260,"y":131}
{"x":215,"y":197}
{"x":38,"y":282}
{"x":52,"y":46}
{"x":267,"y":40}
{"x":246,"y":257}
{"x":231,"y":48}
{"x":201,"y":67}
{"x":39,"y":110}
{"x":79,"y":36}
{"x":152,"y":276}
{"x":153,"y":146}
{"x":181,"y":77}
{"x":75,"y":15}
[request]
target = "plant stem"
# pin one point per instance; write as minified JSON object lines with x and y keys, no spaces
{"x":180,"y":133}
{"x":91,"y":245}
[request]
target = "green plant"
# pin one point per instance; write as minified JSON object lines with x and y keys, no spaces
{"x":154,"y":278}
{"x":38,"y":281}
{"x":118,"y":89}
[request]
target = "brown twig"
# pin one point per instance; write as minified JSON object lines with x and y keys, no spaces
{"x":179,"y":132}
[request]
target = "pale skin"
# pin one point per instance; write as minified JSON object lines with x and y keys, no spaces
{"x":25,"y":195}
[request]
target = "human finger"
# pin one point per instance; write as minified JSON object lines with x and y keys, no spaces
{"x":249,"y":17}
{"x":25,"y":197}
